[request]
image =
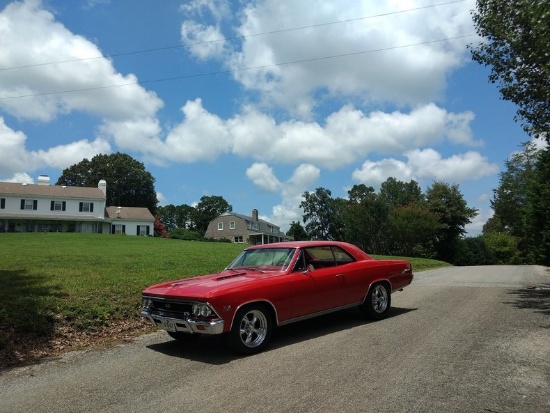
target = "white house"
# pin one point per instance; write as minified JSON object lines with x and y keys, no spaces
{"x":53,"y":208}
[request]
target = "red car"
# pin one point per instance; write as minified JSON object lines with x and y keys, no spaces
{"x":275,"y":284}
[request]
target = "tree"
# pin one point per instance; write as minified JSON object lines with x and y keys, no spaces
{"x":128,"y":183}
{"x":411,"y":232}
{"x":398,"y":194}
{"x":453,"y":213}
{"x":297,"y":232}
{"x":364,"y":217}
{"x":160,"y":228}
{"x":510,"y":198}
{"x":538,"y":211}
{"x":321,"y":215}
{"x":516,"y":37}
{"x":208,"y":208}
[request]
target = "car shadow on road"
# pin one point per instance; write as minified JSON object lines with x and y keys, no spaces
{"x":213,"y":349}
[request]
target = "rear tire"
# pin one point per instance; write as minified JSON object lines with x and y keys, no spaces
{"x":377,"y":303}
{"x":251,"y":330}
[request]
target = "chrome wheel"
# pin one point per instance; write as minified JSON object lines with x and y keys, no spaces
{"x":251,"y":329}
{"x":377,"y":303}
{"x":379,"y":299}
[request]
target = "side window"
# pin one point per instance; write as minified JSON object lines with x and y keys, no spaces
{"x":300,"y":263}
{"x":341,"y":256}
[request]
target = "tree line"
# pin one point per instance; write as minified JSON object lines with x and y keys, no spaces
{"x":398,"y":220}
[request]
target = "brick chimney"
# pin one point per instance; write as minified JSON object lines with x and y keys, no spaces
{"x":254,"y":214}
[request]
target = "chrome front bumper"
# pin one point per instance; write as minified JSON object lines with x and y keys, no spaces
{"x":187,"y":325}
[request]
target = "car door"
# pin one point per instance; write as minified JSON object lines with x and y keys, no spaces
{"x":316,"y":284}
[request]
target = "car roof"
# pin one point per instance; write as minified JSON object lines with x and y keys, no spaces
{"x":353,"y":249}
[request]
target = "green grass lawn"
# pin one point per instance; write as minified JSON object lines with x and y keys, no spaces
{"x":88,"y":281}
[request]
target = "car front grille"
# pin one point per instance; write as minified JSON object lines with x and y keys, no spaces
{"x":172,"y":307}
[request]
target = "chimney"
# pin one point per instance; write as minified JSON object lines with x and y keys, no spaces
{"x":103,"y":186}
{"x":44,"y":180}
{"x":254,"y":214}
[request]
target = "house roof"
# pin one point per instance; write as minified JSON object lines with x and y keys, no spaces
{"x":130,"y":213}
{"x":10,"y":188}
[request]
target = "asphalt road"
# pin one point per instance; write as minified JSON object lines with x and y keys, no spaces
{"x":470,"y":339}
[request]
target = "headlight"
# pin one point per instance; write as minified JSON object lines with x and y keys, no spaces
{"x":201,"y":310}
{"x":147,"y":303}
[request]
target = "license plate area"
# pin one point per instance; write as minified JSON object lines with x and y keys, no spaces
{"x":167,"y":324}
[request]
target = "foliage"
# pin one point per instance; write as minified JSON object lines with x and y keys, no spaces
{"x":412,"y":229}
{"x":448,"y":204}
{"x":516,"y":37}
{"x":321,"y":215}
{"x":364,"y":219}
{"x":86,"y":282}
{"x":297,"y":232}
{"x":186,"y":234}
{"x":160,"y":228}
{"x":503,"y":248}
{"x":473,"y":251}
{"x":128,"y":183}
{"x":510,"y":198}
{"x":400,"y":194}
{"x":208,"y":208}
{"x":538,"y":211}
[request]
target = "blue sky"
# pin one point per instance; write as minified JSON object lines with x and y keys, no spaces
{"x":254,"y":101}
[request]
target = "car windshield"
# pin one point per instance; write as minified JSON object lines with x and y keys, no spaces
{"x":264,"y":259}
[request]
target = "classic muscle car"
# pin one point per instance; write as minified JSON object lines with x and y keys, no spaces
{"x":271,"y":285}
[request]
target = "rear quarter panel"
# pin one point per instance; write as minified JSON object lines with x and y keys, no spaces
{"x":366,"y":273}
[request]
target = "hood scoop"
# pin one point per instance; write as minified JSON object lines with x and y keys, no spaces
{"x":225,"y":277}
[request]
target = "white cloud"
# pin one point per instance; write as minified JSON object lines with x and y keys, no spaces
{"x":204,"y":42}
{"x":426,"y":164}
{"x":263,"y":177}
{"x":200,"y":136}
{"x":386,"y":72}
{"x":15,"y":158}
{"x":29,"y":38}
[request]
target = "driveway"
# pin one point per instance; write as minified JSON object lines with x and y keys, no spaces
{"x":459,"y":339}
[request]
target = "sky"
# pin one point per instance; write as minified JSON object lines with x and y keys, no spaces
{"x":254,"y":101}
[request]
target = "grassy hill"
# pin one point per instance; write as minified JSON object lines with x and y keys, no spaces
{"x":63,"y":291}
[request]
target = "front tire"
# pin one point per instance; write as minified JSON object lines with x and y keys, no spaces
{"x":377,"y":303}
{"x":251,"y":330}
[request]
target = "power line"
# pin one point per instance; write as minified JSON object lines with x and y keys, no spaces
{"x":220,"y":72}
{"x":158,"y":49}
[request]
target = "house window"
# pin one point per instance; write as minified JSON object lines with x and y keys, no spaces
{"x":220,"y":226}
{"x":29,"y":204}
{"x":232,"y":225}
{"x":2,"y":203}
{"x":239,"y":239}
{"x":143,"y":230}
{"x":118,"y":229}
{"x":86,"y":207}
{"x":58,"y":206}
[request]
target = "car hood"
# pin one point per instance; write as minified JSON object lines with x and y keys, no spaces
{"x":206,"y":286}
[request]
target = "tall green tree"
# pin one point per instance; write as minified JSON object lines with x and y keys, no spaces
{"x":412,"y":230}
{"x":364,"y":217}
{"x":538,"y":211}
{"x":516,"y":35}
{"x":128,"y":183}
{"x":448,"y":204}
{"x":208,"y":208}
{"x":297,"y":231}
{"x":321,"y":215}
{"x":510,"y":198}
{"x":398,"y":194}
